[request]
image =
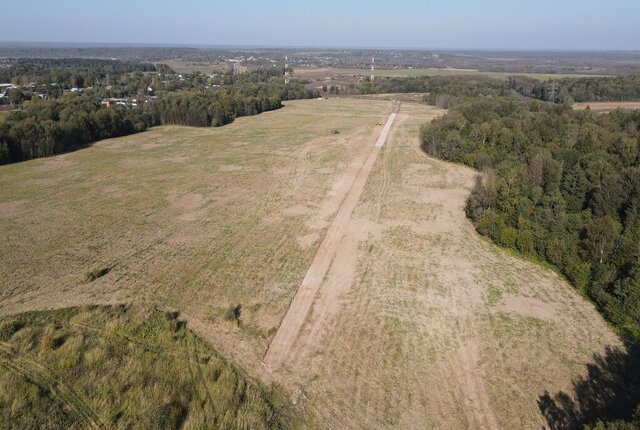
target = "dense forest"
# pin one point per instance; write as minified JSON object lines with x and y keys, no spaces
{"x":558,"y":185}
{"x":588,"y":89}
{"x":70,"y":72}
{"x":46,"y":127}
{"x":447,"y":91}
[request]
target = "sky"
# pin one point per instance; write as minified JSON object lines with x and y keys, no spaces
{"x":442,"y":24}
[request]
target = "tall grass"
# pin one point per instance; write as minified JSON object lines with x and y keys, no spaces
{"x":124,"y":367}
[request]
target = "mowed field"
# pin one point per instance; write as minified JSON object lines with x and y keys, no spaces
{"x":604,"y":107}
{"x":201,"y":220}
{"x":419,"y":323}
{"x":328,"y":73}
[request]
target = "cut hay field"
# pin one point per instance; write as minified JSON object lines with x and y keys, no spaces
{"x":328,"y":73}
{"x":418,"y":323}
{"x":201,"y":220}
{"x":604,"y":107}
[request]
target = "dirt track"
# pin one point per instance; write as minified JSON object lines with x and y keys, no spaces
{"x":301,"y":303}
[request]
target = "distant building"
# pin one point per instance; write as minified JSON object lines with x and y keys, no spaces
{"x":113,"y":101}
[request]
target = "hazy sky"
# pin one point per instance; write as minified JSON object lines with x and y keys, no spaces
{"x":500,"y":24}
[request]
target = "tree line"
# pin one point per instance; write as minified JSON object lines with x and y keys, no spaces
{"x":69,"y":72}
{"x":47,"y":127}
{"x":447,"y":91}
{"x":558,"y":185}
{"x":588,"y":89}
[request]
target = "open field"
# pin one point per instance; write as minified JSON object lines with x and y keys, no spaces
{"x":328,"y":73}
{"x":604,"y":107}
{"x":419,"y":323}
{"x":198,"y":219}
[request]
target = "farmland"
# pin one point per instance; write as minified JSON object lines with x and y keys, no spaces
{"x":603,"y":107}
{"x":418,"y":322}
{"x":337,"y":73}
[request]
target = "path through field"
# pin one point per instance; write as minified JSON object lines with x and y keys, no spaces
{"x":302,"y":301}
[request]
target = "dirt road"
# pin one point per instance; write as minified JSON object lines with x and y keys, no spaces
{"x":306,"y":293}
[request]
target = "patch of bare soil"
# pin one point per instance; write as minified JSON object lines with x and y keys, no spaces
{"x":11,"y":209}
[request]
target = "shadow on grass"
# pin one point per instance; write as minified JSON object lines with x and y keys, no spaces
{"x":609,"y":391}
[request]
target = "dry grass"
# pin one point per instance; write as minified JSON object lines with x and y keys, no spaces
{"x":194,"y":219}
{"x":335,"y":73}
{"x":419,"y":322}
{"x":604,"y":107}
{"x":422,"y":324}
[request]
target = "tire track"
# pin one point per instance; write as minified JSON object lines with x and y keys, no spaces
{"x":47,"y":379}
{"x":303,"y":300}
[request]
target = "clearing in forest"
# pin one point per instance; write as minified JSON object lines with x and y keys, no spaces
{"x":604,"y":107}
{"x":418,"y":322}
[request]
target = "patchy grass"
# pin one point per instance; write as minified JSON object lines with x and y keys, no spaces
{"x":124,"y":367}
{"x":187,"y":218}
{"x":493,"y":295}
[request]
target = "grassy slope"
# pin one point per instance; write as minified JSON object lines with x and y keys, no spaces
{"x":123,"y":367}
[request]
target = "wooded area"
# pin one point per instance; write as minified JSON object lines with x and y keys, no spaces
{"x":47,"y":127}
{"x":557,"y":185}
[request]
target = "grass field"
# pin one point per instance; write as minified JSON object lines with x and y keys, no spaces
{"x":327,"y":73}
{"x":123,"y":367}
{"x":418,"y":322}
{"x":603,"y":107}
{"x":201,"y":220}
{"x":421,"y":324}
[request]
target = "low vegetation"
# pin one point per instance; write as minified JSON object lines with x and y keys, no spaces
{"x":124,"y":367}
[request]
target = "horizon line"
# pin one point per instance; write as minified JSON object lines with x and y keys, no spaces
{"x":75,"y":44}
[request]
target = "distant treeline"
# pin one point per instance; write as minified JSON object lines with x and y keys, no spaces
{"x":446,"y":91}
{"x":604,"y":89}
{"x":441,"y":91}
{"x":240,"y":95}
{"x":47,"y":127}
{"x":559,"y":185}
{"x":70,"y":72}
